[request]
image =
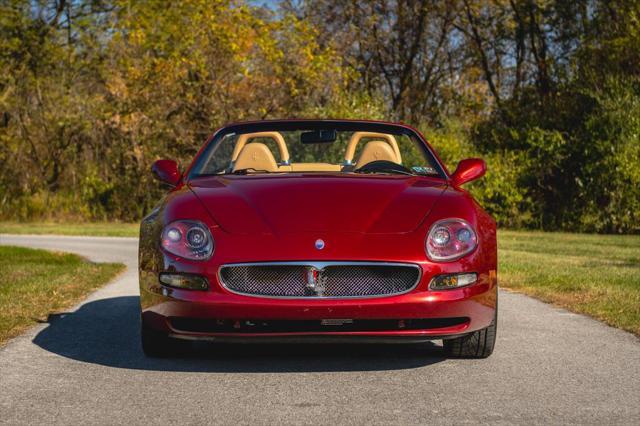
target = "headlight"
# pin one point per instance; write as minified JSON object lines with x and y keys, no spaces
{"x":450,"y":239}
{"x":188,"y":239}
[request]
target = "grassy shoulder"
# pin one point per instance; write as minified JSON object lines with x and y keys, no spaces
{"x":89,"y":229}
{"x":598,"y":275}
{"x":35,"y":283}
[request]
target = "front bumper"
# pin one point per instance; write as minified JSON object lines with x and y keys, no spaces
{"x":217,"y":314}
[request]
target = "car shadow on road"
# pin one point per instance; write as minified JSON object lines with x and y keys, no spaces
{"x":106,"y":332}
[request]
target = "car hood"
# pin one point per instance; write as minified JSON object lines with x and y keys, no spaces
{"x":285,"y":204}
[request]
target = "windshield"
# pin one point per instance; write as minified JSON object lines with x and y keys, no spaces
{"x":317,"y":150}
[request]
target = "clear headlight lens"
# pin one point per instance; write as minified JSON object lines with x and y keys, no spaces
{"x":450,"y":239}
{"x":189,"y":239}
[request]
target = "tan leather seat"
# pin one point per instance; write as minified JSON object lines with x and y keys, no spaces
{"x":275,"y":136}
{"x":256,"y":156}
{"x":375,"y":151}
{"x":358,"y":136}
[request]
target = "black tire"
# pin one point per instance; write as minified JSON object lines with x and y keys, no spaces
{"x":156,"y":344}
{"x":478,"y":344}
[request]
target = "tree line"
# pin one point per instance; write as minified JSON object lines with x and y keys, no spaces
{"x":547,"y":91}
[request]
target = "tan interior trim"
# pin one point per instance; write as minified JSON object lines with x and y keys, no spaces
{"x":310,"y":167}
{"x":357,"y":136}
{"x":276,"y":136}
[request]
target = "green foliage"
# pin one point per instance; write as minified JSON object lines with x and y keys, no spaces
{"x":94,"y":92}
{"x":547,"y":92}
{"x":576,"y":164}
{"x":611,"y":182}
{"x":500,"y":191}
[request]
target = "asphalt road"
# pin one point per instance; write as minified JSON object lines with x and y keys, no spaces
{"x":86,"y":367}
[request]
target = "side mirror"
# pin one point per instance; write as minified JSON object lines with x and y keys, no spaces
{"x":166,"y":171}
{"x":468,"y":170}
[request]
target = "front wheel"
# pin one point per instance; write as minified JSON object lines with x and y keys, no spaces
{"x":478,"y":344}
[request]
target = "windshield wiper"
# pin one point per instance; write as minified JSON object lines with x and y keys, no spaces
{"x":247,"y":171}
{"x":388,"y":171}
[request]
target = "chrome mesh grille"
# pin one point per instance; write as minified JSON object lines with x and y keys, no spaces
{"x":320,"y":280}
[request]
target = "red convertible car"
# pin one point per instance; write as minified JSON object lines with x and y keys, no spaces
{"x":318,"y":230}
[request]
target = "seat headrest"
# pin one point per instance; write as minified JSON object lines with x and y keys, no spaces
{"x":275,"y":136}
{"x":358,"y":136}
{"x":374,"y":151}
{"x":256,"y":156}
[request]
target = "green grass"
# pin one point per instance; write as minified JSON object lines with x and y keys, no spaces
{"x":90,"y":229}
{"x":598,"y":275}
{"x":35,"y":283}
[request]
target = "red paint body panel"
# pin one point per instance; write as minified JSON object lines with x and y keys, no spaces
{"x":468,"y":170}
{"x":278,"y":218}
{"x":297,"y":203}
{"x":166,"y":171}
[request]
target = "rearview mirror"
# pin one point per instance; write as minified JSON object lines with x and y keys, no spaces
{"x":319,"y":136}
{"x":166,"y":171}
{"x":468,"y":170}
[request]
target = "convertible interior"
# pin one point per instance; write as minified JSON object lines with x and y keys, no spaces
{"x":249,"y":154}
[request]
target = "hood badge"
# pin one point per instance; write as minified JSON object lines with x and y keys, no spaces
{"x":319,"y":244}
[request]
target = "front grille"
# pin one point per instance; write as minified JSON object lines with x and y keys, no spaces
{"x":322,"y":279}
